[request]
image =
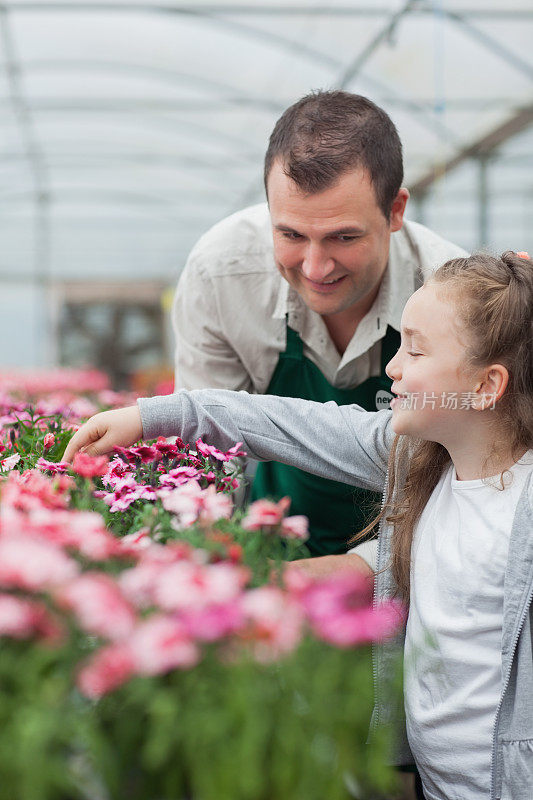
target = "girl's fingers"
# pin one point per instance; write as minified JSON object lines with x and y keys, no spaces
{"x":105,"y":431}
{"x":102,"y":444}
{"x":82,"y":439}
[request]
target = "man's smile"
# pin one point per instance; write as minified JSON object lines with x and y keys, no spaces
{"x":325,"y":286}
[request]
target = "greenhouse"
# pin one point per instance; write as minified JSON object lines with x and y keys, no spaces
{"x":266,"y":433}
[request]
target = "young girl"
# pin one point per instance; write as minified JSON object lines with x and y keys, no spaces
{"x":454,"y":458}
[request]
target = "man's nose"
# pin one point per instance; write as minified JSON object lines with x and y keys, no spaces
{"x":317,"y":265}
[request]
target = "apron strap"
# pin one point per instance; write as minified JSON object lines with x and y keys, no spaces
{"x":294,"y":347}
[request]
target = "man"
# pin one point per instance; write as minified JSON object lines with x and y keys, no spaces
{"x":302,"y":297}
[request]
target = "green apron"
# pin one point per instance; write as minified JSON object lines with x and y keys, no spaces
{"x":336,"y":511}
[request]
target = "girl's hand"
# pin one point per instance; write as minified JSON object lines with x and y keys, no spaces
{"x":104,"y":431}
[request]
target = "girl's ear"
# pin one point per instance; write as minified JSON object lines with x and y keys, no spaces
{"x":491,"y":387}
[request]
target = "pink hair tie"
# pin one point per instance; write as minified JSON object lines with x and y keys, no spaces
{"x":523,"y":254}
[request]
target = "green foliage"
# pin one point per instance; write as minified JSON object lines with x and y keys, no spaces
{"x":25,"y":437}
{"x":227,"y":729}
{"x":292,"y":730}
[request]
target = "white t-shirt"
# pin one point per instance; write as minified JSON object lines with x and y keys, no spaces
{"x":453,"y":640}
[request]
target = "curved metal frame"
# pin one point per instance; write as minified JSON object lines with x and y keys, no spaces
{"x":231,"y":16}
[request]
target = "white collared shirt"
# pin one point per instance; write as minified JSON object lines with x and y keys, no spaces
{"x":231,"y":303}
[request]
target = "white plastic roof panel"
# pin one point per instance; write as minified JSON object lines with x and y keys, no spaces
{"x":128,"y":128}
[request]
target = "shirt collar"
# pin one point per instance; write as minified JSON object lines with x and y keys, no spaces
{"x":281,"y":309}
{"x":399,"y":281}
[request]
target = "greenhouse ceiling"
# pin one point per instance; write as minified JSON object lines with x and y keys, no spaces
{"x":127,"y":129}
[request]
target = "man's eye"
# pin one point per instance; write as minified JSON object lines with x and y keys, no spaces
{"x":346,"y":238}
{"x":292,"y":235}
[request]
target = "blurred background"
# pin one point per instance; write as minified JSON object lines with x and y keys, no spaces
{"x":128,"y":128}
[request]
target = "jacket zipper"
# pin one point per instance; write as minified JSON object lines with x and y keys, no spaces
{"x":504,"y":689}
{"x":375,"y":603}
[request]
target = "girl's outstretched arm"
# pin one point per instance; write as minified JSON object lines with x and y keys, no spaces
{"x":343,"y":443}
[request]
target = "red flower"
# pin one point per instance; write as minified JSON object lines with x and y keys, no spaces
{"x":166,"y":448}
{"x":89,"y":466}
{"x":146,"y":453}
{"x":235,"y":553}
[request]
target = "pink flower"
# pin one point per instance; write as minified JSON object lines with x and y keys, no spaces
{"x":20,"y":619}
{"x":89,"y":466}
{"x":137,"y":541}
{"x":116,"y":469}
{"x":126,"y":492}
{"x":83,"y":531}
{"x":275,"y":622}
{"x":52,"y":466}
{"x":164,"y":387}
{"x":81,"y":407}
{"x":339,"y":610}
{"x":215,"y":506}
{"x":107,"y":397}
{"x":31,"y":489}
{"x":99,"y":605}
{"x":160,"y":644}
{"x":265,"y":513}
{"x":234,"y":451}
{"x":208,"y":450}
{"x":185,"y":585}
{"x":193,"y":504}
{"x":296,"y":580}
{"x":88,"y":535}
{"x":296,"y":527}
{"x":49,"y":441}
{"x":179,"y":476}
{"x":139,"y":582}
{"x":27,"y":563}
{"x":214,"y":622}
{"x":108,"y":669}
{"x":8,"y":463}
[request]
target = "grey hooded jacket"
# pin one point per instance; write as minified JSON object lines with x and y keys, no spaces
{"x":348,"y":444}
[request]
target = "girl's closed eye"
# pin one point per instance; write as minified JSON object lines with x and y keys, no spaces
{"x":411,"y":353}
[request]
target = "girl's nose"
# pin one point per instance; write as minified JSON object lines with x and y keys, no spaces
{"x":392,"y":369}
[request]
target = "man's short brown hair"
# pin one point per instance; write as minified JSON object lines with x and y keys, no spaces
{"x":326,"y":134}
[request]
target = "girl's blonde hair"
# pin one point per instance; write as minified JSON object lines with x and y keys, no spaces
{"x":494,"y":302}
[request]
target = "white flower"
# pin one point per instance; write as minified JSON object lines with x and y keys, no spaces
{"x":8,"y":463}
